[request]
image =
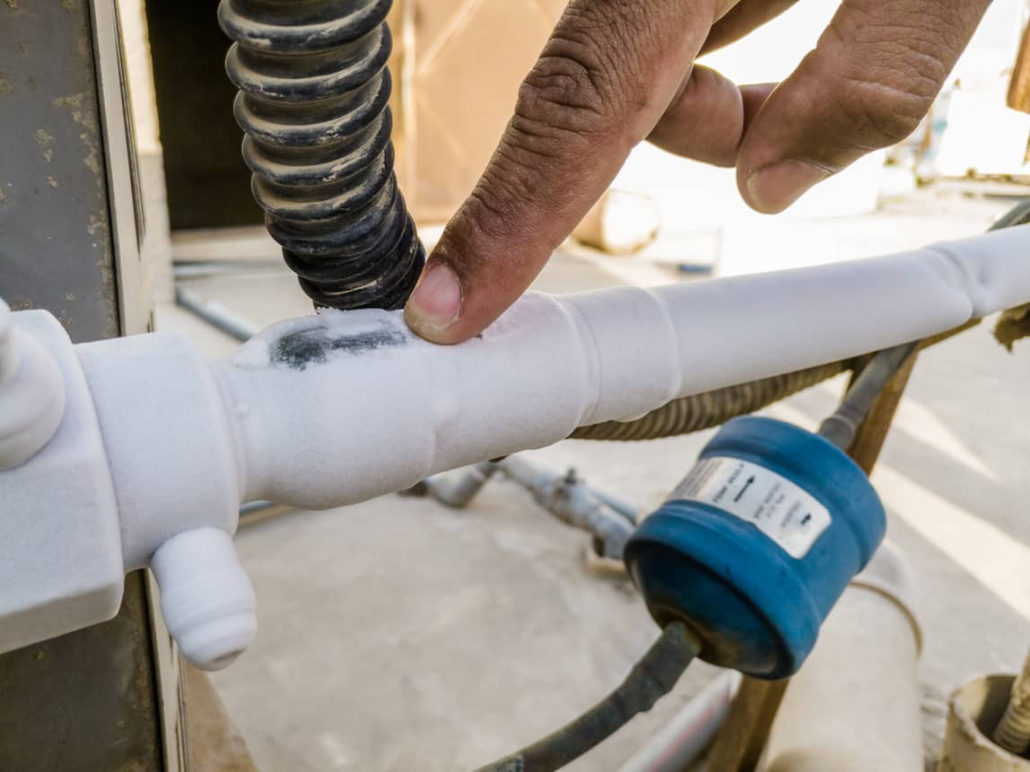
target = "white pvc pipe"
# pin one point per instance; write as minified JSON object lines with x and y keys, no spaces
{"x":384,"y":409}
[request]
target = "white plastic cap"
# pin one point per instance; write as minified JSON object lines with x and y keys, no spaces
{"x":206,"y":598}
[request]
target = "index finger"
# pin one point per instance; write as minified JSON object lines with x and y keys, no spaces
{"x":602,"y":82}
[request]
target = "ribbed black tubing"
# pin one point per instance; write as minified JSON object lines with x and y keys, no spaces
{"x":313,"y":104}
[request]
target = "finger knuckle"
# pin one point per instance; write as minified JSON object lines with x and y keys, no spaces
{"x":597,"y":74}
{"x":888,"y":114}
{"x":491,"y":205}
{"x":566,"y":94}
{"x":473,"y":231}
{"x":892,"y":76}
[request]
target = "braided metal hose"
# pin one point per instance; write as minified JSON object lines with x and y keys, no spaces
{"x":1013,"y":324}
{"x":703,"y":411}
{"x":313,"y":103}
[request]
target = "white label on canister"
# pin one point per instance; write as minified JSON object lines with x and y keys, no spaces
{"x":783,"y":511}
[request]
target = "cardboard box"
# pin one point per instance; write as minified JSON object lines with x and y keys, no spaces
{"x":457,"y":67}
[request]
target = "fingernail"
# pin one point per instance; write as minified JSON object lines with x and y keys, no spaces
{"x":436,"y":302}
{"x":773,"y":188}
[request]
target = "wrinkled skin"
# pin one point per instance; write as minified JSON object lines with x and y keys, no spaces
{"x":617,"y":72}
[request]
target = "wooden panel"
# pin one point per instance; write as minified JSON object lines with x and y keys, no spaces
{"x":1019,"y":85}
{"x":216,"y":744}
{"x":460,"y":63}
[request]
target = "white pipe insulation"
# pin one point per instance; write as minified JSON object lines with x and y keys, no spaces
{"x":339,"y":407}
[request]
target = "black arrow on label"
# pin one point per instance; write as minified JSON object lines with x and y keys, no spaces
{"x":744,"y":489}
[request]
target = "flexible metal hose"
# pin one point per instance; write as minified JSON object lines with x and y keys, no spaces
{"x":703,"y":411}
{"x":313,"y":102}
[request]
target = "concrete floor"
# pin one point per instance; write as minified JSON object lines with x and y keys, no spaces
{"x":397,"y":635}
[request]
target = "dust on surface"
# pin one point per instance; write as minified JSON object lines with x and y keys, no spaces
{"x":84,"y":118}
{"x":44,"y":138}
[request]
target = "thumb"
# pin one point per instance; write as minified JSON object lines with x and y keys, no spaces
{"x":869,"y":82}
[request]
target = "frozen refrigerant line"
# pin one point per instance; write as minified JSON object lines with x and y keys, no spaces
{"x":158,"y":447}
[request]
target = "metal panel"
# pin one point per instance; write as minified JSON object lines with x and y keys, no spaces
{"x":84,"y":702}
{"x":125,"y":200}
{"x":55,"y":231}
{"x":69,"y":242}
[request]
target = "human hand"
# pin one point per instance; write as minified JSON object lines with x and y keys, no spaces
{"x":616,"y":72}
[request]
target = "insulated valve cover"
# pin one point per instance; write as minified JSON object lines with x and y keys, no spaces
{"x":757,"y":543}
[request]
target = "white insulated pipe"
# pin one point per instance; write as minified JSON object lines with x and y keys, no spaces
{"x":31,"y":394}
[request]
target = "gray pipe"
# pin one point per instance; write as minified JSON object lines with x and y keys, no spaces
{"x":565,"y":496}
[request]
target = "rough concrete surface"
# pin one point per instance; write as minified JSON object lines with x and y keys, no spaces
{"x":397,"y":635}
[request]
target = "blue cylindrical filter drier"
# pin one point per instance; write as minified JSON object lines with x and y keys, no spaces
{"x":757,"y":543}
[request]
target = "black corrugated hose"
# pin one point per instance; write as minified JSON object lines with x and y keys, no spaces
{"x":313,"y":103}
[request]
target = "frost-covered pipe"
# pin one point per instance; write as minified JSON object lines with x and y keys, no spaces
{"x":31,"y":394}
{"x":340,"y":407}
{"x":337,"y":408}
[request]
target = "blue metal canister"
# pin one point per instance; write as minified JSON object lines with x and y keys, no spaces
{"x":757,"y":543}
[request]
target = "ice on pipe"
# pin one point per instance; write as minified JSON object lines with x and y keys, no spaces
{"x":310,"y":340}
